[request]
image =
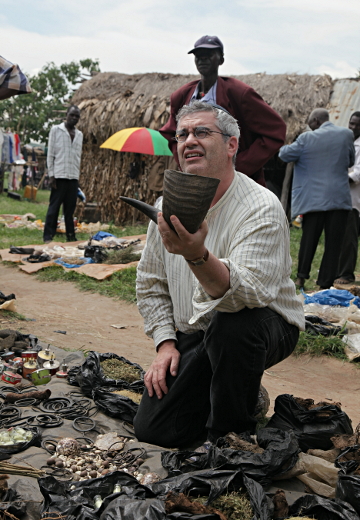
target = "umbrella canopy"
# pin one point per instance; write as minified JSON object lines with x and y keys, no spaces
{"x":138,"y":140}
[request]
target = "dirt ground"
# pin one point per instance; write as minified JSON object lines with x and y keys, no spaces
{"x":88,"y":320}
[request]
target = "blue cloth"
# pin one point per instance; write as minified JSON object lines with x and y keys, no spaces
{"x":331,"y":297}
{"x":60,"y":261}
{"x":322,"y":159}
{"x":100,"y":235}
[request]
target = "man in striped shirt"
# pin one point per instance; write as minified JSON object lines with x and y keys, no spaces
{"x":63,"y":161}
{"x":218,"y":303}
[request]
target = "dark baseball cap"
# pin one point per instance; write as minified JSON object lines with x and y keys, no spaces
{"x":208,"y":42}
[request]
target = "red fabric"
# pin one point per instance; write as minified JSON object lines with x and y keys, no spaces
{"x":262,"y":130}
{"x":17,"y":145}
{"x":139,"y":140}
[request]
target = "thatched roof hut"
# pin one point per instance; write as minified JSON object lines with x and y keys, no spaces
{"x":112,"y":101}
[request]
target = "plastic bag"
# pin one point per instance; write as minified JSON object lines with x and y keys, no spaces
{"x":7,"y":451}
{"x":330,"y":297}
{"x":313,"y":428}
{"x":75,"y":500}
{"x":210,"y":483}
{"x":115,"y":405}
{"x":12,"y":503}
{"x":317,"y":326}
{"x":322,"y":508}
{"x":280,"y":455}
{"x":348,"y":489}
{"x":90,"y":375}
{"x":60,"y":261}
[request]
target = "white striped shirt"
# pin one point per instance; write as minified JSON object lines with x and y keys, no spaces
{"x":249,"y":233}
{"x":64,"y":155}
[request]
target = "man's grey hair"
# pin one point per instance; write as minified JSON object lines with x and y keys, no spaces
{"x":226,"y":123}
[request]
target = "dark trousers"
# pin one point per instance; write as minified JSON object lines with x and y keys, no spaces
{"x":333,"y":223}
{"x":349,"y":250}
{"x":218,"y":380}
{"x":65,"y":194}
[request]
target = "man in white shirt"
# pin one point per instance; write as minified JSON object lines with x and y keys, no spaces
{"x":63,"y":161}
{"x":349,"y":250}
{"x":218,"y":303}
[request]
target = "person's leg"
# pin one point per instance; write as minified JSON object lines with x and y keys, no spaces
{"x":179,"y":418}
{"x":349,"y":250}
{"x":335,"y":223}
{"x":69,"y":207}
{"x":56,"y":199}
{"x":240,"y":347}
{"x":312,"y":226}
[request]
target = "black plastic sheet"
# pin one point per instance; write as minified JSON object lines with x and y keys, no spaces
{"x":280,"y":455}
{"x":77,"y":503}
{"x":136,"y":501}
{"x":210,"y":483}
{"x":115,"y":405}
{"x":12,"y":503}
{"x":322,"y":508}
{"x":348,"y":485}
{"x":317,"y":326}
{"x":90,"y":375}
{"x":7,"y":451}
{"x":312,"y":431}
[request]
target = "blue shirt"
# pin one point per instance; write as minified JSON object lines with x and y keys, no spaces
{"x":210,"y":96}
{"x":322,"y":159}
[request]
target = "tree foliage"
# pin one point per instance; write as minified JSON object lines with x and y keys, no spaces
{"x":32,"y":115}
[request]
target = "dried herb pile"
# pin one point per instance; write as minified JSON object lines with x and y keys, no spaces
{"x":121,"y":256}
{"x":117,"y":369}
{"x":131,"y":395}
{"x":234,"y":505}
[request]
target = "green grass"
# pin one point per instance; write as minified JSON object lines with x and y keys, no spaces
{"x":12,"y":316}
{"x":320,"y":345}
{"x":121,"y":285}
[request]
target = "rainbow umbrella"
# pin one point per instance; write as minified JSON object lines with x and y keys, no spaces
{"x":138,"y":140}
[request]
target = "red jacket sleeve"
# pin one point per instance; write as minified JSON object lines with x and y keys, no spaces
{"x":262,"y":130}
{"x":169,"y":129}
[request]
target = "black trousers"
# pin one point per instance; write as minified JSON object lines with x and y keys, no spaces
{"x":218,"y":380}
{"x":65,"y":194}
{"x":349,"y":250}
{"x":333,"y":223}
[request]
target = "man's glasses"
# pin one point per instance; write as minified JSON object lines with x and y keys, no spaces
{"x":200,"y":132}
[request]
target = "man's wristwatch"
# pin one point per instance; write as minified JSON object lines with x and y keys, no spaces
{"x":199,"y":261}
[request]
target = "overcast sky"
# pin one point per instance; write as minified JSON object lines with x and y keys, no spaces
{"x":273,"y":36}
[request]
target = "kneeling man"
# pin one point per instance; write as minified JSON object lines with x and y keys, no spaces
{"x":218,"y":303}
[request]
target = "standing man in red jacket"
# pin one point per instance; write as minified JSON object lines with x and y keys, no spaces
{"x":262,"y":130}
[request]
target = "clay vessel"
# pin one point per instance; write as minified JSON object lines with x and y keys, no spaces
{"x":185,"y":195}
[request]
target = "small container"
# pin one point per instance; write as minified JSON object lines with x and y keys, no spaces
{"x":29,"y":354}
{"x":97,"y":501}
{"x":41,"y":376}
{"x":117,"y":488}
{"x":18,"y":361}
{"x":2,"y":367}
{"x":9,"y":366}
{"x":63,"y":372}
{"x":52,"y":365}
{"x":45,"y":355}
{"x":10,"y":377}
{"x":6,"y":355}
{"x":28,"y":368}
{"x":18,"y":365}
